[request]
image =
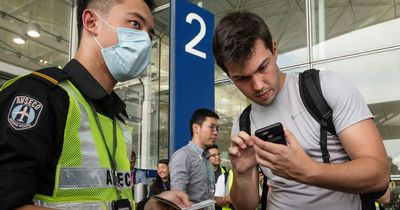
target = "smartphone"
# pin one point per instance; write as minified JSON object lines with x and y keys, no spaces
{"x":272,"y":133}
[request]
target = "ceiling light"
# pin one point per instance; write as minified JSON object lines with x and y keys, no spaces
{"x":19,"y":40}
{"x":33,"y":30}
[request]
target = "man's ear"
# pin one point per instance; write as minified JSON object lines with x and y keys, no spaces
{"x":195,"y":128}
{"x":275,"y":48}
{"x":89,"y":21}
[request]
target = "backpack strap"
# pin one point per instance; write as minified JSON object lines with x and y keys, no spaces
{"x":50,"y":76}
{"x":244,"y":125}
{"x":264,"y":192}
{"x":316,"y":105}
{"x":244,"y":120}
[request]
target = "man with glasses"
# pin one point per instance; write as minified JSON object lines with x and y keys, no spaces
{"x":190,"y":170}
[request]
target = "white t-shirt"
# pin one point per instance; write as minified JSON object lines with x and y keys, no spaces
{"x":220,"y":189}
{"x":348,"y":109}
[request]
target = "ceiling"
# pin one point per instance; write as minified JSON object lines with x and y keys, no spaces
{"x":286,"y":19}
{"x":51,"y":48}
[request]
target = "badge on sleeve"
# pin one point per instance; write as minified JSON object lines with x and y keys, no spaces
{"x":24,"y":112}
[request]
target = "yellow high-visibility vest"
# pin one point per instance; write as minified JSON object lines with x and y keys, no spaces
{"x":84,"y":176}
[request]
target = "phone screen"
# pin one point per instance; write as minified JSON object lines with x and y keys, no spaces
{"x":273,"y":133}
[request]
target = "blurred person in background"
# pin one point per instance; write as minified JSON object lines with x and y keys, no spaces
{"x":190,"y":169}
{"x":215,"y":160}
{"x":137,"y":175}
{"x":162,"y":182}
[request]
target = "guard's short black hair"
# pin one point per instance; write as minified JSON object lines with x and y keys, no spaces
{"x":235,"y":35}
{"x":101,"y":5}
{"x":199,"y":116}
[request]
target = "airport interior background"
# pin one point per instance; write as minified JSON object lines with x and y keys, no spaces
{"x":357,"y":38}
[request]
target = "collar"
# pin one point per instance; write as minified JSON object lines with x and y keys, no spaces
{"x":84,"y":81}
{"x":198,"y":150}
{"x":107,"y":104}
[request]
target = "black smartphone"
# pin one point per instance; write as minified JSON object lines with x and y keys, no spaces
{"x":272,"y":133}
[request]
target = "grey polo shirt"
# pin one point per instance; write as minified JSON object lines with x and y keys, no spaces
{"x":188,"y":172}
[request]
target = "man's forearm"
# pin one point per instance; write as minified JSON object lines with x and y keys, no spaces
{"x":356,"y":176}
{"x":244,"y":192}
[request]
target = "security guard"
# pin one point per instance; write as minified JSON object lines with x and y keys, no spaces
{"x":215,"y":160}
{"x":62,"y":131}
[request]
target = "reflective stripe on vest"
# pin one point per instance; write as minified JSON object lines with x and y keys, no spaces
{"x":75,"y":178}
{"x":84,"y":177}
{"x":128,"y":135}
{"x":75,"y":206}
{"x":88,"y":149}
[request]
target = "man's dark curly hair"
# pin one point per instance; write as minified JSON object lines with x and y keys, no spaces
{"x":235,"y":35}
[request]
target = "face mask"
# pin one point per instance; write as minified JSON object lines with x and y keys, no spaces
{"x":130,"y":56}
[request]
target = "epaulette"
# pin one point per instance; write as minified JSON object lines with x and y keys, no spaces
{"x":50,"y":76}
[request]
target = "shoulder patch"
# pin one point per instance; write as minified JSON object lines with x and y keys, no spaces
{"x":24,"y":112}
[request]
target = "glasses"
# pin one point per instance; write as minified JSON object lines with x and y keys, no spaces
{"x":214,"y":128}
{"x":216,"y":155}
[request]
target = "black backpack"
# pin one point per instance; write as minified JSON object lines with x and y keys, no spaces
{"x":316,"y":105}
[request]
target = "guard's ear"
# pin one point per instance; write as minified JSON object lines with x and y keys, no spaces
{"x":90,"y":21}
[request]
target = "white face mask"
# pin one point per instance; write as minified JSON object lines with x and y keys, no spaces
{"x":130,"y":56}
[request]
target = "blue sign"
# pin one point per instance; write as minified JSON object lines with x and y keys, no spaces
{"x":191,"y":75}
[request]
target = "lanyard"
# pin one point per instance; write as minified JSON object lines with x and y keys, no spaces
{"x":210,"y":172}
{"x":111,"y":156}
{"x":164,"y":186}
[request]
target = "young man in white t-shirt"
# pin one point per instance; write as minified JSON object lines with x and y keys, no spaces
{"x":299,"y":179}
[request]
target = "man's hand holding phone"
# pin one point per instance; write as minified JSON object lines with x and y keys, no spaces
{"x":273,"y":133}
{"x":278,"y":149}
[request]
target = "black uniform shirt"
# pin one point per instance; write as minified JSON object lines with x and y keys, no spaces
{"x":32,"y":122}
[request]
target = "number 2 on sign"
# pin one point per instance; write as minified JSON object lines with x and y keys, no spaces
{"x":189,"y":47}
